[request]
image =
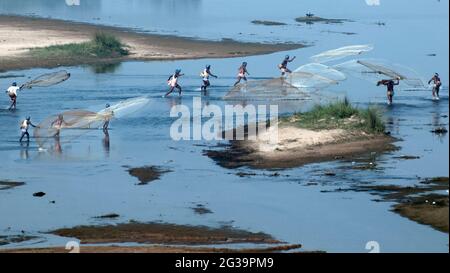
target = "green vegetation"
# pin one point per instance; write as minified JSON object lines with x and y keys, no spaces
{"x":267,"y":23}
{"x":102,"y":45}
{"x":339,"y":115}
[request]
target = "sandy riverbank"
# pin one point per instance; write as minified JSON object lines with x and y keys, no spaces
{"x":298,"y":146}
{"x":19,"y":34}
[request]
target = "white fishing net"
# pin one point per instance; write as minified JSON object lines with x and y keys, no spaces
{"x":315,"y":76}
{"x":68,"y":124}
{"x":272,"y":89}
{"x":49,"y":79}
{"x":71,"y":124}
{"x":296,"y":85}
{"x":340,"y":53}
{"x":374,"y":70}
{"x":126,"y":107}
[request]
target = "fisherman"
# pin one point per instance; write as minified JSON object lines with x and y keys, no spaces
{"x":283,"y":66}
{"x":173,"y":82}
{"x":57,"y":124}
{"x":24,"y":128}
{"x":390,"y":88}
{"x":436,"y":85}
{"x":12,"y":92}
{"x":205,"y":74}
{"x":242,"y":72}
{"x":108,"y":117}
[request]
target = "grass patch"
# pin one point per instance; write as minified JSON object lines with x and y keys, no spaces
{"x":339,"y":115}
{"x":102,"y":45}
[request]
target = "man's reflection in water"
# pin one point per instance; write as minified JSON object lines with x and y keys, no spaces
{"x":57,"y":147}
{"x":174,"y":101}
{"x":24,"y":151}
{"x":392,"y":125}
{"x":105,"y":141}
{"x":436,"y":122}
{"x":436,"y":119}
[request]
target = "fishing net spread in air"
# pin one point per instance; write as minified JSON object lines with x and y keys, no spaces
{"x":295,"y":86}
{"x":315,"y":76}
{"x":375,"y":70}
{"x":340,"y":53}
{"x":49,"y":79}
{"x":67,"y":125}
{"x":272,"y":89}
{"x":71,"y":124}
{"x":126,"y":107}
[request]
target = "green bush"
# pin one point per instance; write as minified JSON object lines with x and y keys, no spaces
{"x":103,"y":45}
{"x":107,"y":45}
{"x":339,"y":115}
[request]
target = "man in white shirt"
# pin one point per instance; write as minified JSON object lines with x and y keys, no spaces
{"x":12,"y":92}
{"x":24,"y":128}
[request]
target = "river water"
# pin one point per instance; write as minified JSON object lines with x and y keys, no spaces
{"x":87,"y":178}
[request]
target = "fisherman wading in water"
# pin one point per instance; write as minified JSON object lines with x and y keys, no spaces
{"x":205,"y":74}
{"x":242,"y":73}
{"x":57,"y":124}
{"x":390,"y":88}
{"x":436,"y":85}
{"x":173,"y":82}
{"x":24,"y":128}
{"x":283,"y":66}
{"x":109,"y":114}
{"x":12,"y":92}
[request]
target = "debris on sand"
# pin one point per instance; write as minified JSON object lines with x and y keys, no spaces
{"x":6,"y":185}
{"x":317,"y":19}
{"x":108,"y":216}
{"x":439,"y":131}
{"x":39,"y":194}
{"x":201,"y":209}
{"x":268,"y":23}
{"x":163,"y":233}
{"x":147,"y":174}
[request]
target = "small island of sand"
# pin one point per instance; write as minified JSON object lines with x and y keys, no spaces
{"x":325,"y":133}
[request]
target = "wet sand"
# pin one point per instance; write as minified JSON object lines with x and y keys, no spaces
{"x":147,"y":174}
{"x":19,"y":34}
{"x":13,"y":239}
{"x":164,"y":238}
{"x":163,"y":233}
{"x":419,"y":203}
{"x":6,"y":185}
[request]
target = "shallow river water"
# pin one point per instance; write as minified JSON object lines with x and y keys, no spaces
{"x":87,"y":178}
